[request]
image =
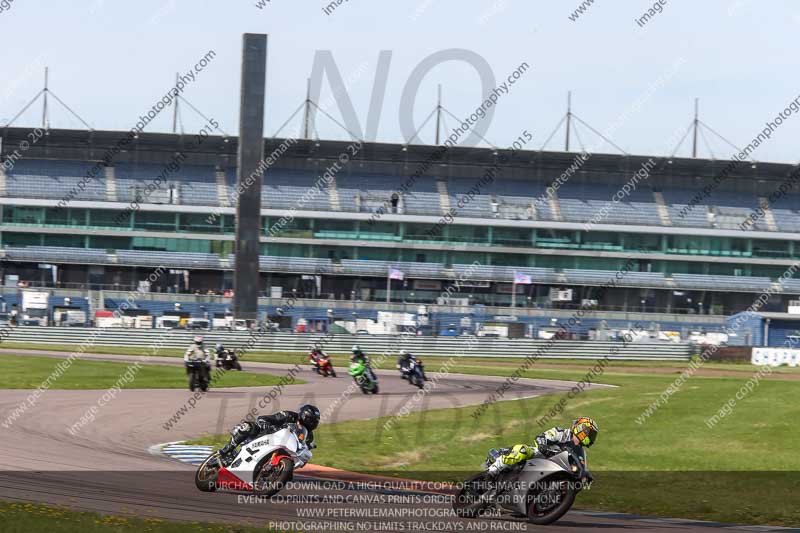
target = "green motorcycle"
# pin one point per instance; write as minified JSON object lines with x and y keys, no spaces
{"x":363,"y":377}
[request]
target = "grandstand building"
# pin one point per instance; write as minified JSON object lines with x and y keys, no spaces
{"x":685,"y":238}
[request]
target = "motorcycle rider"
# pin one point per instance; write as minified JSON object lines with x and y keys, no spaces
{"x":196,"y":352}
{"x":219,"y":354}
{"x":582,"y":433}
{"x":360,"y":357}
{"x":307,"y":416}
{"x":404,"y":364}
{"x":314,"y":356}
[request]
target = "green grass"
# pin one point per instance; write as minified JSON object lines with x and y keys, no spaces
{"x":29,"y":372}
{"x":671,"y":465}
{"x":28,"y":518}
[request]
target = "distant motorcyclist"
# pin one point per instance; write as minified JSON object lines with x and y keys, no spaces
{"x":360,"y":357}
{"x":197,"y":352}
{"x":219,"y":354}
{"x":307,"y":416}
{"x":315,"y":355}
{"x":404,"y":364}
{"x":582,"y":433}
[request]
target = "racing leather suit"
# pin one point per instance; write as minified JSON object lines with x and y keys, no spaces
{"x":317,"y":357}
{"x":197,"y":353}
{"x":404,"y":362}
{"x":261,"y":426}
{"x":362,"y":358}
{"x":522,"y":452}
{"x":219,"y":355}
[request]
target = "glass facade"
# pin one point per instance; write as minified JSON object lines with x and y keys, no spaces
{"x":737,"y":251}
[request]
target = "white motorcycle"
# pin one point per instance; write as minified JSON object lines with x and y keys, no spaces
{"x":263,"y":465}
{"x":541,"y":489}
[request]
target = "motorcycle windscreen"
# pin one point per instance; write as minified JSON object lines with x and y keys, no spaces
{"x":285,"y":439}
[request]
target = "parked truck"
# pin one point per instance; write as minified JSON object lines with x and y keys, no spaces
{"x":34,"y":308}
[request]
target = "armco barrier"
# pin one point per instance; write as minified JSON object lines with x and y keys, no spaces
{"x":341,"y":344}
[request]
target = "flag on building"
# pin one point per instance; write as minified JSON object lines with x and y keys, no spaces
{"x":395,"y":273}
{"x":522,"y":279}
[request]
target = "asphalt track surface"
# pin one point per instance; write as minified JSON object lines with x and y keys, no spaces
{"x":106,"y":466}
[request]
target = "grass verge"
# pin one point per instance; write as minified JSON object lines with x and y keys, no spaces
{"x":30,"y":372}
{"x":27,"y":518}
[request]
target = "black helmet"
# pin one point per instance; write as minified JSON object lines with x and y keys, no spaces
{"x":309,"y":416}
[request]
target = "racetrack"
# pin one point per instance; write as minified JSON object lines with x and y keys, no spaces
{"x":106,"y":467}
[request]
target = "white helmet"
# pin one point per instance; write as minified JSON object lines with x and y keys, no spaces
{"x":356,"y":348}
{"x":198,"y":339}
{"x":403,"y":352}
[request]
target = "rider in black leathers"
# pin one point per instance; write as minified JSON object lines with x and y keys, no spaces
{"x":307,"y":416}
{"x":404,"y":363}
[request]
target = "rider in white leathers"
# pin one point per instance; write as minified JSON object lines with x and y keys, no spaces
{"x":196,"y":352}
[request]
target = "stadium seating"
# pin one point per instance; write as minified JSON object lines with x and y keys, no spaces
{"x":605,"y":277}
{"x":516,"y":199}
{"x":359,"y":267}
{"x":55,"y":179}
{"x":580,"y":203}
{"x":705,"y":282}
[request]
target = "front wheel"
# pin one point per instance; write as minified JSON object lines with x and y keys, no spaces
{"x":271,"y":479}
{"x":206,"y":476}
{"x":552,"y":502}
{"x":192,"y":384}
{"x":238,"y":366}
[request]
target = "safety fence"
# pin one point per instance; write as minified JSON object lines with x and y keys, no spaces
{"x":342,"y":343}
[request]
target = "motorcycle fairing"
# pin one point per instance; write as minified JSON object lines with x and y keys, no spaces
{"x":229,"y":481}
{"x":535,"y":470}
{"x":282,"y":443}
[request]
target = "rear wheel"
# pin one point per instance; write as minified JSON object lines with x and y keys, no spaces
{"x":547,"y":505}
{"x":375,"y":389}
{"x":467,"y":502}
{"x":238,"y":366}
{"x":206,"y":476}
{"x":271,"y":479}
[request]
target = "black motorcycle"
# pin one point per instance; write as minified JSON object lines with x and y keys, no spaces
{"x":228,"y":361}
{"x":198,"y":375}
{"x":414,"y":372}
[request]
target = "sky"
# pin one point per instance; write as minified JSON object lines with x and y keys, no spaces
{"x":111,"y":61}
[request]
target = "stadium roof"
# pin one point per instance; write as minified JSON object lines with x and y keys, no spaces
{"x":221,"y":151}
